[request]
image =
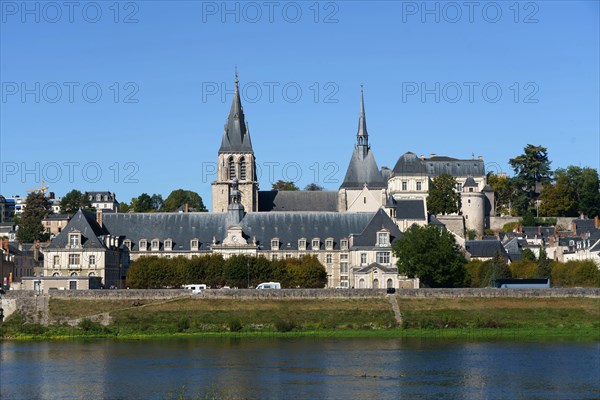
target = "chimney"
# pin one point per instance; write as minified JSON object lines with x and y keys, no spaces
{"x":36,"y":250}
{"x":574,"y":228}
{"x":99,"y":217}
{"x":432,"y":155}
{"x":5,"y":245}
{"x":597,"y":222}
{"x":186,"y":207}
{"x":480,"y":158}
{"x":422,"y":157}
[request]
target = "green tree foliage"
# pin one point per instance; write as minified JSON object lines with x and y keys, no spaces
{"x":443,"y":197}
{"x":529,"y":255}
{"x":124,"y":207}
{"x":475,"y":273}
{"x":180,"y":197}
{"x":576,"y":273}
{"x":30,"y":226}
{"x":524,"y":269}
{"x":531,"y":168}
{"x":284,"y":185}
{"x":506,"y":193}
{"x":306,"y":272}
{"x":312,"y":187}
{"x":73,"y":201}
{"x":574,"y":192}
{"x":544,"y":265}
{"x":432,"y":255}
{"x":498,"y":269}
{"x":153,"y":272}
{"x":146,"y":203}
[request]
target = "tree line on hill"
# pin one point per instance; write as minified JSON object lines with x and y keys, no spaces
{"x":152,"y":272}
{"x":534,"y":190}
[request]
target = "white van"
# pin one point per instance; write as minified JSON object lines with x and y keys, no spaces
{"x":196,"y":288}
{"x":269,"y":285}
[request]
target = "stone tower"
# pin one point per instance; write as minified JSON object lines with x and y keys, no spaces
{"x":473,"y":206}
{"x":235,"y":160}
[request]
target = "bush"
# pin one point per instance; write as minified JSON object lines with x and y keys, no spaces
{"x":509,"y":227}
{"x":88,"y":325}
{"x":234,"y":325}
{"x":183,"y":324}
{"x":576,"y":273}
{"x":284,"y":326}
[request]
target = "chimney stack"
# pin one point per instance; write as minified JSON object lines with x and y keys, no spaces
{"x":99,"y":217}
{"x":597,"y":222}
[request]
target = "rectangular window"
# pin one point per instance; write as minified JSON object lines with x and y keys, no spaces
{"x":302,"y":244}
{"x":143,"y":245}
{"x":73,"y":260}
{"x":194,"y":244}
{"x":383,"y":239}
{"x":168,"y":244}
{"x":127,"y":244}
{"x":274,"y":257}
{"x":459,"y":187}
{"x":419,"y":187}
{"x":404,"y":185}
{"x":56,"y":261}
{"x":74,"y":239}
{"x":92,"y":260}
{"x":383,"y":257}
{"x":274,"y":244}
{"x":155,"y":244}
{"x":315,"y":244}
{"x":329,"y":244}
{"x":328,"y":258}
{"x":344,"y":244}
{"x":344,"y":256}
{"x":288,"y":256}
{"x":363,"y":258}
{"x":344,"y":268}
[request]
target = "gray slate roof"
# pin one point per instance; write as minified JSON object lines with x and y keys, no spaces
{"x":514,"y":249}
{"x":584,"y":225}
{"x":410,"y":164}
{"x":484,"y":248}
{"x":179,"y":227}
{"x":297,"y":200}
{"x":379,"y":220}
{"x":362,"y":171}
{"x":410,"y":209}
{"x":84,"y":222}
{"x":236,"y":136}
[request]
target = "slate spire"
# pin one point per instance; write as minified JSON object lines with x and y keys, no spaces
{"x":236,"y":136}
{"x":362,"y":136}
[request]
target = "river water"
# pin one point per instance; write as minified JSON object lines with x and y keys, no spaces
{"x":299,"y":369}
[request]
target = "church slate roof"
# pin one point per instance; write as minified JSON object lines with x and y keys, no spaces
{"x":179,"y":227}
{"x":410,"y":164}
{"x":297,"y":200}
{"x":288,"y":227}
{"x":236,"y":136}
{"x":84,"y":222}
{"x":410,"y":209}
{"x":368,"y":236}
{"x":363,"y":171}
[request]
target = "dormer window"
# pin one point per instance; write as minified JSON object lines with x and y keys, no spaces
{"x":383,"y":239}
{"x":194,"y":244}
{"x":74,"y":239}
{"x":344,"y":244}
{"x":155,"y":245}
{"x":275,"y":244}
{"x":168,"y":245}
{"x":315,"y":244}
{"x":329,"y":244}
{"x":127,"y":244}
{"x":143,"y":245}
{"x":98,"y":197}
{"x":302,"y":244}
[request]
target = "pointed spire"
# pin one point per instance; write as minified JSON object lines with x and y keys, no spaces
{"x":362,"y":136}
{"x":236,"y":136}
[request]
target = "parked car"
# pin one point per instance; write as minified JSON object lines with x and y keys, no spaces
{"x":269,"y":285}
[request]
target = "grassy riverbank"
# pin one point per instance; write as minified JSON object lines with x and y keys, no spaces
{"x":509,"y":318}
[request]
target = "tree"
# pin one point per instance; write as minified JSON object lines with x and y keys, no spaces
{"x":313,"y":187}
{"x":432,"y":255}
{"x":143,"y":203}
{"x":30,"y":226}
{"x":443,"y":197}
{"x":506,"y":193}
{"x":73,"y":201}
{"x":124,"y":207}
{"x":587,"y":192}
{"x":284,"y":185}
{"x":157,"y":201}
{"x":558,"y":199}
{"x":306,"y":272}
{"x":544,"y":265}
{"x":180,"y":197}
{"x":498,"y":269}
{"x":532,"y":168}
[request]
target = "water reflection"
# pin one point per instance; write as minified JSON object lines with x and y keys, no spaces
{"x":299,"y":368}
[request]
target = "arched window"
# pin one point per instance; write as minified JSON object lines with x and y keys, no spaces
{"x":92,"y":274}
{"x":231,"y":166}
{"x":361,"y":284}
{"x":375,"y":284}
{"x":242,"y":168}
{"x":390,"y":283}
{"x":73,"y":273}
{"x":56,"y":274}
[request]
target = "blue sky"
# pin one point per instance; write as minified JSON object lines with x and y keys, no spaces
{"x":133,"y":98}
